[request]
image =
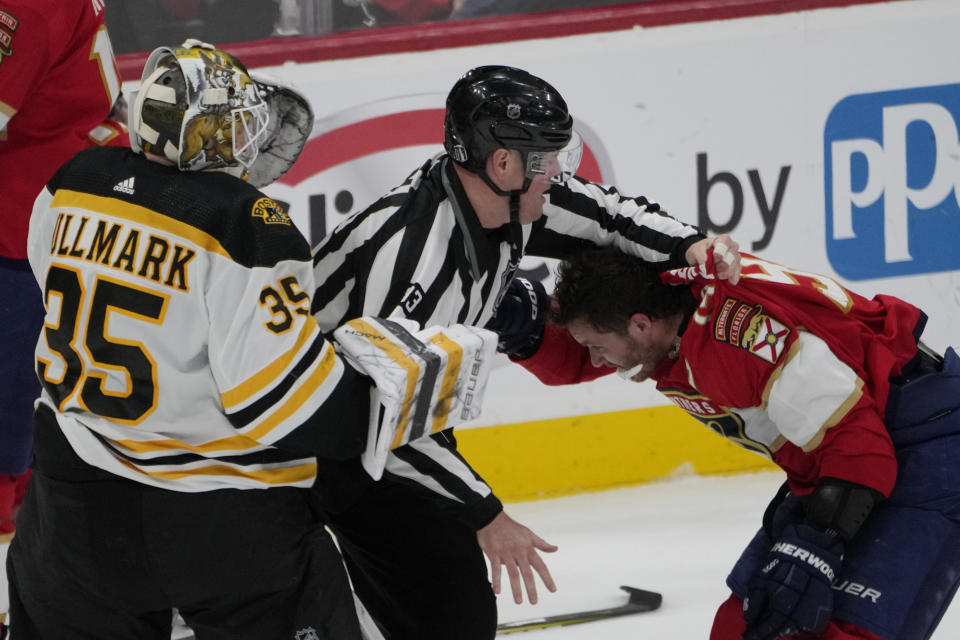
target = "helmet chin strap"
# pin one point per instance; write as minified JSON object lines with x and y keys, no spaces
{"x":514,"y":230}
{"x":527,"y":181}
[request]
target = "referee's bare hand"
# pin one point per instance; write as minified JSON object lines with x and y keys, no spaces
{"x":509,"y":544}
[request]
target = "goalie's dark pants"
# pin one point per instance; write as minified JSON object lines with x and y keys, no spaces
{"x":417,"y":569}
{"x":104,"y":558}
{"x":902,"y":569}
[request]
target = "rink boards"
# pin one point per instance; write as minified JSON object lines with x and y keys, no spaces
{"x":563,"y":456}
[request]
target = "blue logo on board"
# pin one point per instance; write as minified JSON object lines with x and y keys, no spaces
{"x":892,"y":180}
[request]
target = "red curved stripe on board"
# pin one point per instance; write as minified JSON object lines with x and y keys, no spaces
{"x":393,"y":131}
{"x":405,"y":129}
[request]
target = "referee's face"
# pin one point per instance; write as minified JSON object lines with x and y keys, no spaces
{"x":533,"y":199}
{"x":506,"y":169}
{"x":531,"y":202}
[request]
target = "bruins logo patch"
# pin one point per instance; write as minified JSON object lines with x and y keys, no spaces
{"x":271,"y":212}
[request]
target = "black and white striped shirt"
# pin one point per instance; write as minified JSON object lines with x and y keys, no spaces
{"x":420,"y":252}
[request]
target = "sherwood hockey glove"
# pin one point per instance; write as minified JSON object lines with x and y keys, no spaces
{"x":520,"y":317}
{"x":426,"y":381}
{"x":792,"y":594}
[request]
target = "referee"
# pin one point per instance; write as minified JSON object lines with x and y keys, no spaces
{"x":441,"y":248}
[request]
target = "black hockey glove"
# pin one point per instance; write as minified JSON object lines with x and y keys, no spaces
{"x":792,"y":594}
{"x":520,"y":318}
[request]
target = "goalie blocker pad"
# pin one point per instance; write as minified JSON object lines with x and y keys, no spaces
{"x":425,"y":380}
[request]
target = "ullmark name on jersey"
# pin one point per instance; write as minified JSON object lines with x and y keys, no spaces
{"x":124,"y":186}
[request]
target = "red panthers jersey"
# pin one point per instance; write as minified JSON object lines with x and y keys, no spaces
{"x":58,"y":81}
{"x":788,"y":364}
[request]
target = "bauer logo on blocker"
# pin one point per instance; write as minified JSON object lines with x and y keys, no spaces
{"x":892,"y":181}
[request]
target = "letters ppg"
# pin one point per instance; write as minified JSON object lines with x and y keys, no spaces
{"x":892,"y":183}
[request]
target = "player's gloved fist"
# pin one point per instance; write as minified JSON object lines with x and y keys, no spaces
{"x":520,"y":317}
{"x":792,"y":593}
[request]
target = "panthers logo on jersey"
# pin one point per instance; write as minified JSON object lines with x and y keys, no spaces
{"x":746,"y":326}
{"x":721,"y":420}
{"x":271,"y":212}
{"x":8,"y":24}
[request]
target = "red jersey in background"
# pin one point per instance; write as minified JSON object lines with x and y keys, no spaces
{"x":58,"y":82}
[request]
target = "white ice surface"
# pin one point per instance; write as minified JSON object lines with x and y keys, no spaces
{"x":678,"y":537}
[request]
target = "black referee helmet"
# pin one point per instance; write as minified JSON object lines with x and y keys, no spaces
{"x":493,"y":107}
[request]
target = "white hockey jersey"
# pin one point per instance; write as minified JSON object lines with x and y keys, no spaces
{"x":178,"y":348}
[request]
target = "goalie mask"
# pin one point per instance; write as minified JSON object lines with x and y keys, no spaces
{"x":198,"y":108}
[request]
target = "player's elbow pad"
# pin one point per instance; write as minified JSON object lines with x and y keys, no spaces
{"x":841,"y":506}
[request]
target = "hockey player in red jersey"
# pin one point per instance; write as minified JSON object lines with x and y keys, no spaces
{"x":863,"y":541}
{"x":58,"y":81}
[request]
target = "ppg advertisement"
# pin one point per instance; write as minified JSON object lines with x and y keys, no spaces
{"x":892,"y":178}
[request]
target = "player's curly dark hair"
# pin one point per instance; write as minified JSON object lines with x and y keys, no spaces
{"x":604,"y":287}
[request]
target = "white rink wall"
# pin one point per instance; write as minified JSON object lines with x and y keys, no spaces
{"x":826,"y":140}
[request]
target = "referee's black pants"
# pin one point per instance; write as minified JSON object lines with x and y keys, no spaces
{"x":98,"y":557}
{"x":416,"y":567}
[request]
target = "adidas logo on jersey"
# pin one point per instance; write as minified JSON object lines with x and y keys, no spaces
{"x":124,"y":186}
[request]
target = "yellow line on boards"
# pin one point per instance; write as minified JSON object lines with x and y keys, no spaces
{"x":565,"y":456}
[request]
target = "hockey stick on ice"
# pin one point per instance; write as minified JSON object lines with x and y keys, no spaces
{"x":639,"y":602}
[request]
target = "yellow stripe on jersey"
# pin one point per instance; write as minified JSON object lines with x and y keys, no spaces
{"x":306,"y":392}
{"x":269,"y":373}
{"x":450,"y":376}
{"x":142,"y":215}
{"x":233,"y":443}
{"x":274,"y":476}
{"x":251,"y":438}
{"x":409,"y":365}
